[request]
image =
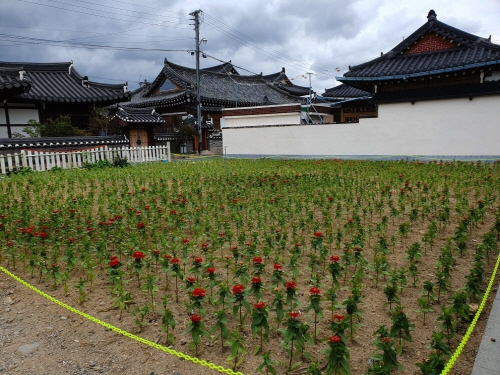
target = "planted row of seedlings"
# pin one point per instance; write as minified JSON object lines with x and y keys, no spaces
{"x":286,"y":266}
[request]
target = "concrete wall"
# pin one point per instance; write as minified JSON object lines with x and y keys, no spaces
{"x":259,"y":120}
{"x":454,"y":127}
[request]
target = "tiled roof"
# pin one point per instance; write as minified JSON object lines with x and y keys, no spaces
{"x":281,"y":80}
{"x":13,"y":81}
{"x":223,"y":68}
{"x":216,"y":89}
{"x":61,"y":141}
{"x":453,"y":91}
{"x":138,"y":115}
{"x":60,"y":82}
{"x":467,"y":51}
{"x":344,"y":91}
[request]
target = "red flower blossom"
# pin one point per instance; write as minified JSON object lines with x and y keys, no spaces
{"x":314,"y":291}
{"x":256,"y":280}
{"x":167,"y":256}
{"x":222,"y":234}
{"x":190,"y":280}
{"x":291,"y":285}
{"x":114,"y":262}
{"x":334,"y":259}
{"x":199,"y":293}
{"x":386,"y":339}
{"x":204,"y":245}
{"x":210,"y":270}
{"x":278,"y":267}
{"x":172,"y":212}
{"x":238,"y":289}
{"x":147,"y":207}
{"x":335,"y":339}
{"x":198,"y":260}
{"x":257,"y":259}
{"x":195,"y":318}
{"x":156,"y":252}
{"x":330,"y":199}
{"x":318,"y":234}
{"x":138,"y":255}
{"x":140,"y":225}
{"x":294,"y":314}
{"x":185,"y":241}
{"x":259,"y":305}
{"x":338,"y":317}
{"x":175,"y":261}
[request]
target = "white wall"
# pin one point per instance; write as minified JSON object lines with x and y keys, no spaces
{"x":17,"y":116}
{"x":260,"y":120}
{"x":454,"y":127}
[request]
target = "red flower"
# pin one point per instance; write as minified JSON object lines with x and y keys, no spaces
{"x":278,"y":267}
{"x":114,"y":262}
{"x":185,"y":241}
{"x":156,"y":252}
{"x":204,"y":245}
{"x":256,"y":280}
{"x":147,"y":207}
{"x":190,"y":280}
{"x":386,"y":339}
{"x":195,"y":318}
{"x":138,"y":255}
{"x":330,"y":199}
{"x":248,"y":244}
{"x":43,"y":235}
{"x":335,"y":339}
{"x":167,"y":256}
{"x":334,"y":259}
{"x":222,"y":234}
{"x":318,"y":234}
{"x":259,"y":305}
{"x":314,"y":291}
{"x":175,"y":261}
{"x":294,"y":314}
{"x":54,"y":265}
{"x":210,"y":270}
{"x":238,"y":289}
{"x":198,"y":260}
{"x":338,"y":317}
{"x":172,"y":212}
{"x":291,"y":285}
{"x":257,"y":259}
{"x":140,"y":225}
{"x":199,"y":293}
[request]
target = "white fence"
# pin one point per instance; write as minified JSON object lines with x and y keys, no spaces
{"x":43,"y":161}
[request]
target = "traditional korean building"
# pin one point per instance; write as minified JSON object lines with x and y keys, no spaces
{"x":349,"y":104}
{"x":173,"y":94}
{"x":435,"y":95}
{"x":437,"y":61}
{"x":40,"y":91}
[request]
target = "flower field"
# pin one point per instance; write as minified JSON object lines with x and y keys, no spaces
{"x":272,"y":266}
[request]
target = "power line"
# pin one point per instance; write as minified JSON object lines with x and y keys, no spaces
{"x":102,"y":16}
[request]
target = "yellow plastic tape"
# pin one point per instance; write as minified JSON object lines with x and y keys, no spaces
{"x":461,"y":346}
{"x":201,"y":362}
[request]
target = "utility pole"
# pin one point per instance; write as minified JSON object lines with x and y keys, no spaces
{"x":196,"y":15}
{"x":310,"y":87}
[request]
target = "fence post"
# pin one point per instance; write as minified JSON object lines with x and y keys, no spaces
{"x":9,"y":161}
{"x":30,"y":159}
{"x":24,"y":158}
{"x":17,"y":163}
{"x":169,"y":157}
{"x":2,"y":164}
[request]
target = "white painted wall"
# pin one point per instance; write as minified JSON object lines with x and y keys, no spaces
{"x":260,"y":120}
{"x":17,"y":116}
{"x":454,"y":127}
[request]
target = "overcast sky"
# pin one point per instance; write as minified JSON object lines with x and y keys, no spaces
{"x":322,"y":37}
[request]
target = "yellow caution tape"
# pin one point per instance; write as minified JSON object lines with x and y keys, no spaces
{"x":201,"y":362}
{"x":461,"y":346}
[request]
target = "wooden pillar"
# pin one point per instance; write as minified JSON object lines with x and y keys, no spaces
{"x":7,"y":118}
{"x":204,"y":139}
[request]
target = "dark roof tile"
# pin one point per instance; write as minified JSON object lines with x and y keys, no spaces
{"x":344,"y":91}
{"x":60,"y":82}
